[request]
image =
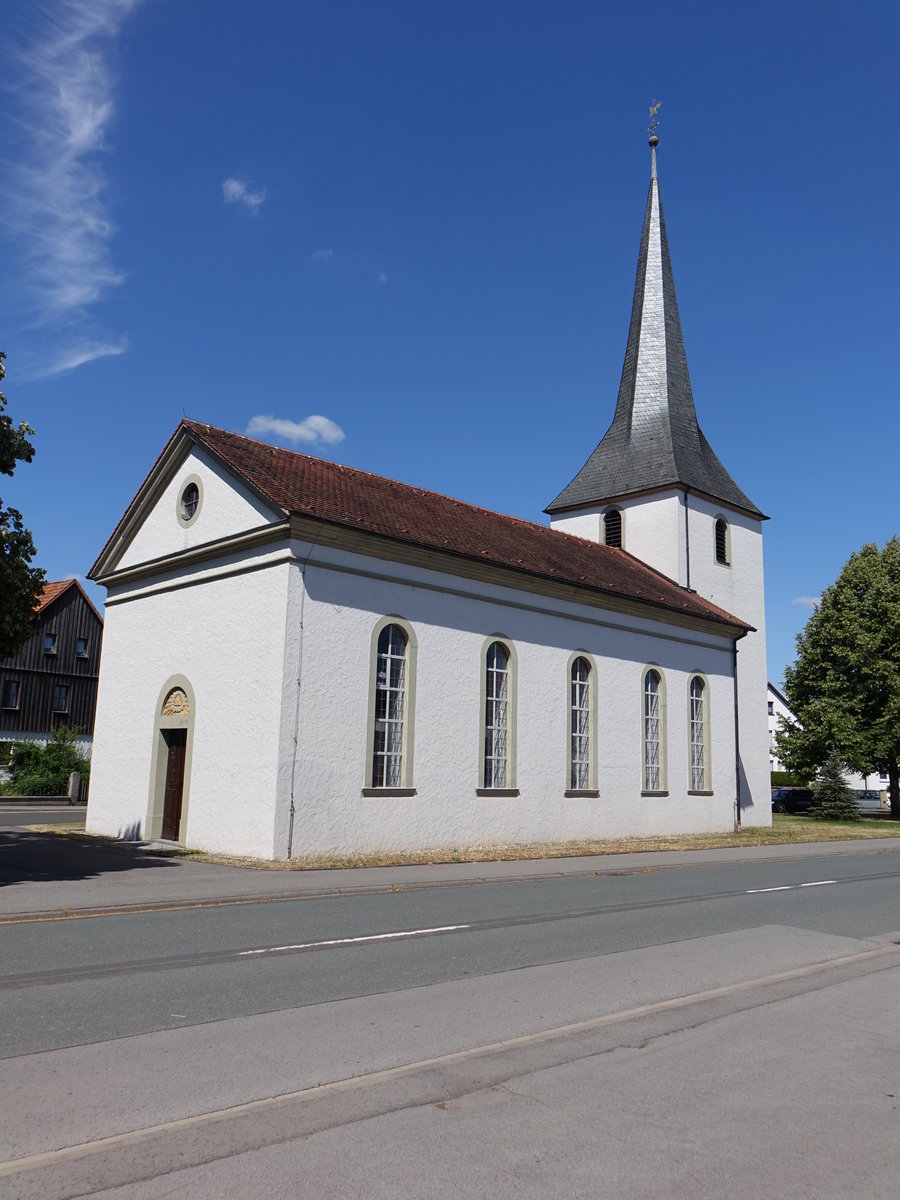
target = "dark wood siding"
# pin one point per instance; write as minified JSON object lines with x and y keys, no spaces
{"x":70,"y":616}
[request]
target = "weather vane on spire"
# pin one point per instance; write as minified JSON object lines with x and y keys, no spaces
{"x":655,"y":106}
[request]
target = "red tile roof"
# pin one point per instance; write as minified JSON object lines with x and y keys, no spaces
{"x":52,"y":591}
{"x":353,"y":499}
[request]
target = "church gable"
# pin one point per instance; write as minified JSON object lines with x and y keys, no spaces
{"x":190,"y":499}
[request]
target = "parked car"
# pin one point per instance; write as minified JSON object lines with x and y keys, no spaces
{"x":791,"y":799}
{"x":870,"y":802}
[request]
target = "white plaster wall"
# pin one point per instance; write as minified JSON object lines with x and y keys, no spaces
{"x":739,"y":589}
{"x":340,"y":612}
{"x":226,"y":635}
{"x":585,"y":523}
{"x":226,"y":508}
{"x":652,"y":529}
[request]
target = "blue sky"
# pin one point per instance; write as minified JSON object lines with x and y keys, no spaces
{"x":418,"y":222}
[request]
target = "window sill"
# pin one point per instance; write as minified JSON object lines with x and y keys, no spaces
{"x":388,"y":791}
{"x":499,"y":793}
{"x":703,"y":792}
{"x":665,"y":793}
{"x":588,"y":792}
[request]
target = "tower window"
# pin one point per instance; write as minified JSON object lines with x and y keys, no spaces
{"x":612,"y":527}
{"x":722,"y":542}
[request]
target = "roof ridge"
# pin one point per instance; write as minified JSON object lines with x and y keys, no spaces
{"x":408,"y":487}
{"x":63,"y":586}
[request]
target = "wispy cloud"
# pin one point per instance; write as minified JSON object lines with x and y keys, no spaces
{"x":807,"y":601}
{"x":311,"y":429}
{"x":77,"y":354}
{"x":239,"y":191}
{"x":54,"y":201}
{"x":321,"y":254}
{"x":382,"y":278}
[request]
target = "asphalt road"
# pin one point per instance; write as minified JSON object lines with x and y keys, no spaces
{"x":725,"y":1028}
{"x":15,"y":816}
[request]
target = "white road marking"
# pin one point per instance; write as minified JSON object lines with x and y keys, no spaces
{"x":372,"y":937}
{"x":788,"y":887}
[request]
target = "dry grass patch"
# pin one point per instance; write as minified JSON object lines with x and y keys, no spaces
{"x":785,"y":830}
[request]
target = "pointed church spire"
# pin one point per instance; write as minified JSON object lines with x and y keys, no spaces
{"x":654,"y":440}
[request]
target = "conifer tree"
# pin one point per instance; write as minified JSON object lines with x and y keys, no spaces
{"x":834,"y":800}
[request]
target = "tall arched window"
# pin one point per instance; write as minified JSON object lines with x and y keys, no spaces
{"x":723,"y":547}
{"x":612,"y":527}
{"x":654,"y":773}
{"x":580,"y":741}
{"x":699,"y":736}
{"x":390,"y":708}
{"x":496,"y":716}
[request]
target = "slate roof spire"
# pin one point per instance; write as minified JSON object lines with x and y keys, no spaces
{"x":654,"y":440}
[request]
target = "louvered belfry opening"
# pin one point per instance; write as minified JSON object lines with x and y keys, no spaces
{"x":722,"y":541}
{"x":612,"y":528}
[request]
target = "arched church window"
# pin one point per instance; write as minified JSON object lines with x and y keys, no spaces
{"x":497,"y":716}
{"x":723,"y":542}
{"x":654,"y":725}
{"x":699,"y":731}
{"x":580,"y":739}
{"x":612,"y":527}
{"x":390,"y":708}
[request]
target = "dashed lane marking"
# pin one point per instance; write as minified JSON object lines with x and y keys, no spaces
{"x":789,"y":887}
{"x":372,"y":937}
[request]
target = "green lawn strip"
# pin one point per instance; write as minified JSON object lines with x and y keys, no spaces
{"x":785,"y":830}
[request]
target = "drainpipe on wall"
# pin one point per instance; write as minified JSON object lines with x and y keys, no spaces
{"x":293,"y":808}
{"x":290,"y":844}
{"x":737,"y":744}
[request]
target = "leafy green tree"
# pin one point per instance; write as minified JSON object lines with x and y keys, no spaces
{"x":844,"y":687}
{"x":20,"y":583}
{"x":834,"y":799}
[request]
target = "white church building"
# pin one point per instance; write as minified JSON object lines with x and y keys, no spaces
{"x":303,"y":659}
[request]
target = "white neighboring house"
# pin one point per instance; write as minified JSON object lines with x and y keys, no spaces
{"x":301,"y":658}
{"x":778,"y":707}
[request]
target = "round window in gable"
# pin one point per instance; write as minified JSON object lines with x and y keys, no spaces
{"x":189,"y":501}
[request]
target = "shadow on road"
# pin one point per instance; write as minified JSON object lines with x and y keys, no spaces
{"x":43,"y":857}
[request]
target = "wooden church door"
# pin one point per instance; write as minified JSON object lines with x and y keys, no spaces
{"x":176,"y":741}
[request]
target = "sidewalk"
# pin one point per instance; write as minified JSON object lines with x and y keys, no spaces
{"x":48,"y":874}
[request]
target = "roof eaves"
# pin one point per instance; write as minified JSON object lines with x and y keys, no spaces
{"x":713,"y":613}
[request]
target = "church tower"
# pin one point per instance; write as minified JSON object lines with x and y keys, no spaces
{"x":654,"y":487}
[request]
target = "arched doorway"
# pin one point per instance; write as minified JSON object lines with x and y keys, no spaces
{"x":170,"y":782}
